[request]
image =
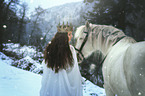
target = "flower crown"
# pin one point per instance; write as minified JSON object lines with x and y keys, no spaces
{"x":64,"y":28}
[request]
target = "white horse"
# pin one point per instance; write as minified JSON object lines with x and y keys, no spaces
{"x":124,"y":66}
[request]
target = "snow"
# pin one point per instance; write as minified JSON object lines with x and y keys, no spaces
{"x":19,"y":82}
{"x":25,"y":57}
{"x":5,"y":58}
{"x":22,"y":50}
{"x":28,"y":63}
{"x":92,"y":90}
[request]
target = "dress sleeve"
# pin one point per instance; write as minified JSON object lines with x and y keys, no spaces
{"x":75,"y":59}
{"x":73,"y":53}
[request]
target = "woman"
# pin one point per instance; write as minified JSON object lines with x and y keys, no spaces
{"x":61,"y":75}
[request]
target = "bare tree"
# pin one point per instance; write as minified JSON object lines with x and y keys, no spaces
{"x":22,"y":11}
{"x":11,"y":5}
{"x":36,"y":30}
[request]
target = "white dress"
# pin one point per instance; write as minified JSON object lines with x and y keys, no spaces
{"x":64,"y":83}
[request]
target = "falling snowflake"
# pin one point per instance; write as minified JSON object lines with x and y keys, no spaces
{"x":41,"y":38}
{"x":4,"y":26}
{"x":139,"y":93}
{"x":9,"y":40}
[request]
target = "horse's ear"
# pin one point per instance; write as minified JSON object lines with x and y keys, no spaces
{"x":87,"y":24}
{"x":87,"y":27}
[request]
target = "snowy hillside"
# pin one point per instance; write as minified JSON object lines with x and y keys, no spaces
{"x":23,"y":57}
{"x":18,"y":82}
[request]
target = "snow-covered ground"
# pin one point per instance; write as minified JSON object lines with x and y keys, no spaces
{"x":19,"y":82}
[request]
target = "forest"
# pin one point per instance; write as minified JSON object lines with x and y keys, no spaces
{"x":14,"y":24}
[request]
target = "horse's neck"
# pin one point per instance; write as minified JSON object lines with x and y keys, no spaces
{"x":103,"y":45}
{"x":107,"y":47}
{"x":98,"y":40}
{"x":105,"y":37}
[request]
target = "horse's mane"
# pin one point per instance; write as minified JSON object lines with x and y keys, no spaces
{"x":106,"y":35}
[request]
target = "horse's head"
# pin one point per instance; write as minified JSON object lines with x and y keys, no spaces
{"x":84,"y":41}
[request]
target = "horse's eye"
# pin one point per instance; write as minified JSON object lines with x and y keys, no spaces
{"x":85,"y":32}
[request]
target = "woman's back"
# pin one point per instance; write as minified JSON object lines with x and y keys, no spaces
{"x":67,"y":82}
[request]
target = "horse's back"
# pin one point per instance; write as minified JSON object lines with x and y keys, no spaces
{"x":134,"y":68}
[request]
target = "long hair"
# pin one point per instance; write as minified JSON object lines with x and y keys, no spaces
{"x":57,"y":54}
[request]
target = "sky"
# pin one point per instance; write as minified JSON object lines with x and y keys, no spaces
{"x":32,"y":4}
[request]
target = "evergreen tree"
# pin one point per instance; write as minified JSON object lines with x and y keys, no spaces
{"x":135,"y":19}
{"x":7,"y":17}
{"x":127,"y":15}
{"x":1,"y":23}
